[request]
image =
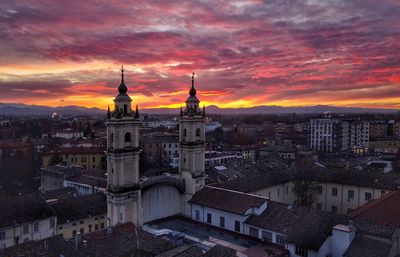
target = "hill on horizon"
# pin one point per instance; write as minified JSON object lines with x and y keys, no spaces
{"x":40,"y":110}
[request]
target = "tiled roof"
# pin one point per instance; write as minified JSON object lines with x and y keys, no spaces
{"x":384,"y":210}
{"x":22,"y":209}
{"x":122,"y":241}
{"x":227,"y":200}
{"x":259,"y":178}
{"x":80,"y":207}
{"x":310,"y":227}
{"x":220,"y":251}
{"x":183,"y":251}
{"x":78,"y":150}
{"x":89,"y":180}
{"x":363,"y":246}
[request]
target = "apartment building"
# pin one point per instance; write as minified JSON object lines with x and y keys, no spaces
{"x":88,"y":158}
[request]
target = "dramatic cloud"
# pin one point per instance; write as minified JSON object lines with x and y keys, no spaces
{"x":244,"y":52}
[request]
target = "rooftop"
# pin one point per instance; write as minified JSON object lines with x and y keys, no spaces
{"x":80,"y":207}
{"x":24,"y":208}
{"x":227,"y":200}
{"x":385,"y":210}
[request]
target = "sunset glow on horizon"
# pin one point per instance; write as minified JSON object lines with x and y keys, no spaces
{"x":245,"y":52}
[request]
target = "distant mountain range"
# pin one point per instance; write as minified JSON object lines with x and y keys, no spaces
{"x":24,"y":110}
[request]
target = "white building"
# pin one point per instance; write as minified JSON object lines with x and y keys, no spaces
{"x":69,"y":134}
{"x":25,"y":218}
{"x":301,"y":231}
{"x":332,"y":135}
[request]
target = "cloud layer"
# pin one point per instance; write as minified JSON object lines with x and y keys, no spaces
{"x":244,"y":52}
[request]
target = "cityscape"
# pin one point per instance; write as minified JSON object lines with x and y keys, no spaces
{"x":199,"y":128}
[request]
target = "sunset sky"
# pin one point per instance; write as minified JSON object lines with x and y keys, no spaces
{"x":244,"y":53}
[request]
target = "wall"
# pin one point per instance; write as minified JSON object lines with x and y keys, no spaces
{"x":66,"y":229}
{"x":230,"y":218}
{"x":44,"y":231}
{"x":160,"y":201}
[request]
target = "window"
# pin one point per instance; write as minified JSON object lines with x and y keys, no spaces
{"x":368,"y":196}
{"x":280,"y":239}
{"x":128,"y":137}
{"x":301,"y":251}
{"x":253,"y":232}
{"x":81,"y":222}
{"x":383,"y":193}
{"x":319,"y":190}
{"x":267,"y":236}
{"x":82,"y":231}
{"x":83,"y":159}
{"x":209,"y":219}
{"x":334,"y":191}
{"x":94,"y":158}
{"x":349,"y":210}
{"x":184,"y":132}
{"x":2,"y":235}
{"x":197,"y":132}
{"x":35,"y":227}
{"x":102,"y":225}
{"x":26,"y":229}
{"x":222,"y":221}
{"x":237,"y":226}
{"x":197,"y":215}
{"x":60,"y":227}
{"x":120,"y":216}
{"x":350,"y":194}
{"x":319,"y":206}
{"x":73,"y":232}
{"x":96,"y":227}
{"x":90,"y":228}
{"x":334,"y":208}
{"x":278,"y":192}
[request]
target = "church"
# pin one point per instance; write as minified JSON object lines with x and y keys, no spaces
{"x":130,"y":199}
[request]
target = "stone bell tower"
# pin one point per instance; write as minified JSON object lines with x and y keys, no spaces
{"x":192,"y":146}
{"x":123,"y":193}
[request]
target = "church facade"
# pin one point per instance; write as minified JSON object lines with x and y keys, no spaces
{"x":128,"y":198}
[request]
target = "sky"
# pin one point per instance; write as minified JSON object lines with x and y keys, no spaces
{"x":244,"y":52}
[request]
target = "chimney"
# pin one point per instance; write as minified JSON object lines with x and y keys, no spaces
{"x":342,"y":236}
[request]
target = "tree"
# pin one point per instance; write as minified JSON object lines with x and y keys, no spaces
{"x":305,"y":187}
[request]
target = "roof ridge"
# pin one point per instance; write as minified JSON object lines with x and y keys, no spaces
{"x":372,"y":203}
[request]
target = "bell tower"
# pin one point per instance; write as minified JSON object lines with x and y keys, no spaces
{"x":123,"y":192}
{"x":192,"y":146}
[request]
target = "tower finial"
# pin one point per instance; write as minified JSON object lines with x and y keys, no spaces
{"x":192,"y":91}
{"x":108,"y":112}
{"x":137,"y":112}
{"x":122,"y":89}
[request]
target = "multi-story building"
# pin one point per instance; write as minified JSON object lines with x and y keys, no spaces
{"x":333,"y":190}
{"x":301,"y":231}
{"x":326,"y":134}
{"x":158,"y":150}
{"x":60,"y":176}
{"x":69,"y":134}
{"x":331,"y":134}
{"x":87,"y":157}
{"x":80,"y":214}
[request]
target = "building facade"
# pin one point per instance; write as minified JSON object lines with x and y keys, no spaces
{"x":123,"y":201}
